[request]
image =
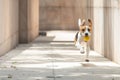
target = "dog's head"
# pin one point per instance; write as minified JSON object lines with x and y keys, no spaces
{"x":85,"y":27}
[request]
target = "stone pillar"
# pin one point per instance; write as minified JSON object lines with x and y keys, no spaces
{"x":8,"y":25}
{"x":113,"y":41}
{"x":99,"y":25}
{"x":106,"y":28}
{"x":28,"y":20}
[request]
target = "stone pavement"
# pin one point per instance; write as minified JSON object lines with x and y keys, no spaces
{"x":55,"y":60}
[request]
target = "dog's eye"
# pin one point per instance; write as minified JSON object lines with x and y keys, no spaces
{"x":89,"y":30}
{"x":83,"y":30}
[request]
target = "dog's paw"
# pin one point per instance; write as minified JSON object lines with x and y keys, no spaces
{"x":82,"y":50}
{"x":78,"y":45}
{"x":87,"y":60}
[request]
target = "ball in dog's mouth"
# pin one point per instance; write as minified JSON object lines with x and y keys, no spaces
{"x":86,"y":38}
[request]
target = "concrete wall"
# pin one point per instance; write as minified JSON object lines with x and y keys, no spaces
{"x":61,"y":14}
{"x":23,"y":22}
{"x":112,"y":37}
{"x":19,"y":22}
{"x":28,"y":20}
{"x":106,"y":18}
{"x":8,"y":25}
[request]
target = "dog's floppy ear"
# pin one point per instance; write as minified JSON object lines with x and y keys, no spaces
{"x":81,"y":22}
{"x":90,"y":22}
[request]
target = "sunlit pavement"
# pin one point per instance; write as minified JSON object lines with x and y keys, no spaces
{"x":55,"y":60}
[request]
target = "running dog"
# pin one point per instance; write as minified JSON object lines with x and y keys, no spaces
{"x":82,"y":37}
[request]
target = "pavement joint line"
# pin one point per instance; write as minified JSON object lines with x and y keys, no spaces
{"x":53,"y":68}
{"x":53,"y":71}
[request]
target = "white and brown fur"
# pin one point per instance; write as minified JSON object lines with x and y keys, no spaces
{"x":85,"y":29}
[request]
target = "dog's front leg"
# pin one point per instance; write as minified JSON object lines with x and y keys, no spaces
{"x":78,"y":43}
{"x":87,"y":52}
{"x":82,"y":48}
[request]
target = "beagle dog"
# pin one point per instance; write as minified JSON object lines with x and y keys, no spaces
{"x":82,"y":37}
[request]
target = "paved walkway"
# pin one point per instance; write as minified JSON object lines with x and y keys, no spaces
{"x":56,"y":60}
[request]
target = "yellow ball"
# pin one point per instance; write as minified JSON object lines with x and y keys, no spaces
{"x":86,"y":38}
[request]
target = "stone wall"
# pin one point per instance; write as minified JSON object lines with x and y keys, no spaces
{"x":8,"y":25}
{"x":106,"y":17}
{"x":61,"y":14}
{"x":19,"y":23}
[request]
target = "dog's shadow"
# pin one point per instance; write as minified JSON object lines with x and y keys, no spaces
{"x":88,"y":65}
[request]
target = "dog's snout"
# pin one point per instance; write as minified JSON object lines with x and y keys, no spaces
{"x":86,"y":34}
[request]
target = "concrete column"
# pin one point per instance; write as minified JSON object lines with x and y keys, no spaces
{"x":99,"y":25}
{"x":8,"y":25}
{"x":106,"y":28}
{"x":28,"y":20}
{"x":114,"y":50}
